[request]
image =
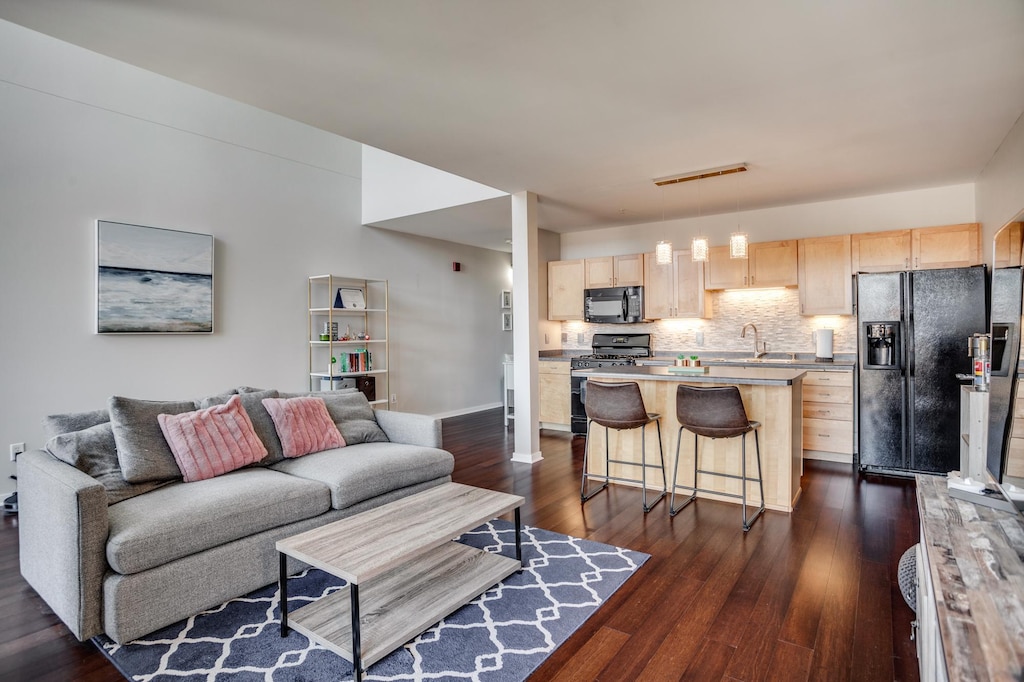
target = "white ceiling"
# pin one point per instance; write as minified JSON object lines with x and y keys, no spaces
{"x":586,"y":101}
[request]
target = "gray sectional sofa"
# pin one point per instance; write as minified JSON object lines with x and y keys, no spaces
{"x":126,"y":558}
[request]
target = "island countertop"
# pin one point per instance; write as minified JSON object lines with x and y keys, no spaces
{"x":722,"y":374}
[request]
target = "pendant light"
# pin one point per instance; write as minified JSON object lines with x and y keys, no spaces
{"x":699,"y":245}
{"x":663,"y":249}
{"x":738,"y":240}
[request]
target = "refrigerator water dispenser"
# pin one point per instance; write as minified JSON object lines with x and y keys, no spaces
{"x":882,"y":344}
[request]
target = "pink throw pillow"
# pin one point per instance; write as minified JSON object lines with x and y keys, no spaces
{"x":214,"y":441}
{"x":303,"y":425}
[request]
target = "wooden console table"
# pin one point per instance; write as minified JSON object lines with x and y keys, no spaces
{"x":970,"y":595}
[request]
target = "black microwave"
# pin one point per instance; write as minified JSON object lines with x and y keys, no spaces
{"x":614,"y":305}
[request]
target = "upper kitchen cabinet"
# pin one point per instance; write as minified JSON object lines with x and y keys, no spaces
{"x":615,"y":271}
{"x":924,"y":248}
{"x":826,"y":278}
{"x":768,"y":264}
{"x":880,"y":251}
{"x":954,"y":246}
{"x":1008,"y":246}
{"x":675,"y":289}
{"x":565,"y":289}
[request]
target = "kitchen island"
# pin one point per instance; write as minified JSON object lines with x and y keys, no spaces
{"x":770,"y":395}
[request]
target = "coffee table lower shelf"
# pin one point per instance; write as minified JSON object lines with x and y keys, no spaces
{"x":399,"y":605}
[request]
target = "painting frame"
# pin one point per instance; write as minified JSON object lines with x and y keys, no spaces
{"x":506,"y":298}
{"x":506,"y":321}
{"x":153,"y":280}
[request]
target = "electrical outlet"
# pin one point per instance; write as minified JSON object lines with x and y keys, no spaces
{"x":16,"y":449}
{"x":565,"y":337}
{"x":579,"y":337}
{"x":700,"y":338}
{"x":546,"y":342}
{"x":394,"y":398}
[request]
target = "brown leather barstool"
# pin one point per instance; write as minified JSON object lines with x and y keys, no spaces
{"x":620,"y":406}
{"x":715,"y":412}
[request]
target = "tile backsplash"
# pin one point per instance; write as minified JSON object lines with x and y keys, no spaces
{"x":775,"y":313}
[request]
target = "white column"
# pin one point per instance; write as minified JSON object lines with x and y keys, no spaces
{"x":524,"y":327}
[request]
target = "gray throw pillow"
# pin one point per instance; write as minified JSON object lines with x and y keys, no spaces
{"x":262,"y":424}
{"x":56,"y":424}
{"x":352,"y":413}
{"x":142,"y":449}
{"x":94,"y":452}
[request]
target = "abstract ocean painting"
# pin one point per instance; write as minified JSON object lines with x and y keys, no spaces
{"x":153,"y":280}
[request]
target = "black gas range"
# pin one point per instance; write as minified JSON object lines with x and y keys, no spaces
{"x":609,"y":350}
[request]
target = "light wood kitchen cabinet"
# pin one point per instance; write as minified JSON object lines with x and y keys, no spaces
{"x":614,"y":271}
{"x":880,"y":251}
{"x":953,"y":246}
{"x":565,"y":290}
{"x":826,"y":279}
{"x":675,"y":289}
{"x":1008,"y":246}
{"x":828,"y":415}
{"x":554,"y":395}
{"x":924,"y":248}
{"x":768,"y":264}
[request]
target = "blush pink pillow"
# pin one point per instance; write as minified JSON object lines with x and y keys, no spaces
{"x":214,"y":441}
{"x":303,"y":425}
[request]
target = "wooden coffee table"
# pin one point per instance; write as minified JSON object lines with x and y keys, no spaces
{"x":403,"y":570}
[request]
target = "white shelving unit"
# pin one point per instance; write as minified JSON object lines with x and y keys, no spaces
{"x":361,"y":309}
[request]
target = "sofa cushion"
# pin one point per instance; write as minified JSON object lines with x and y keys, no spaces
{"x":184,"y":518}
{"x":212,"y":441}
{"x":94,"y":452}
{"x":352,"y":413}
{"x":303,"y":425}
{"x":142,"y":449}
{"x":252,"y":401}
{"x":359,"y":472}
{"x":56,"y":424}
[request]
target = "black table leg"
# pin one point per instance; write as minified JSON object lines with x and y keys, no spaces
{"x":357,"y":654}
{"x":282,"y":581}
{"x":519,"y":541}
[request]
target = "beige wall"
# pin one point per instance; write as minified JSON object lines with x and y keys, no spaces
{"x":1000,"y":187}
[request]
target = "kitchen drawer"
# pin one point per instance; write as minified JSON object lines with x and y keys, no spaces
{"x":553,"y":367}
{"x":828,"y":435}
{"x":828,"y":394}
{"x":817,"y":378}
{"x":835,"y":411}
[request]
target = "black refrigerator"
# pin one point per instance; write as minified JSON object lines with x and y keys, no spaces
{"x":912,"y":341}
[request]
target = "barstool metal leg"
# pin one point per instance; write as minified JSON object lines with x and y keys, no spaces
{"x":748,"y":523}
{"x":584,"y":496}
{"x":644,"y":465}
{"x":672,"y":508}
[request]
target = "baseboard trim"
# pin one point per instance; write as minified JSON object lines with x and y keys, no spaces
{"x":466,"y":410}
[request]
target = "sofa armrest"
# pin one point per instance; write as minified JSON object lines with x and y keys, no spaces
{"x":62,"y":530}
{"x":409,"y":428}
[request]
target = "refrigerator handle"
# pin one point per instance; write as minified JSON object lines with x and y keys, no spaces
{"x":907,"y":284}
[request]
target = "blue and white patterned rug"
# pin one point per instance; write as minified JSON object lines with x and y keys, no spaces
{"x":503,"y":635}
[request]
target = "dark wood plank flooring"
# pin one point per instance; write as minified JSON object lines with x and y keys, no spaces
{"x":810,"y":595}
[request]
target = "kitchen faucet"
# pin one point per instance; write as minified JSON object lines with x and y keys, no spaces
{"x":760,"y":348}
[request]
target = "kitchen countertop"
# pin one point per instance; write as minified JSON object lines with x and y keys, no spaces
{"x":729,"y":374}
{"x":844,"y":363}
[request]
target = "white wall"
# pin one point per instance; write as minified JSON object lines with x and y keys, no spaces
{"x":1000,"y":188}
{"x":86,"y":137}
{"x":895,"y":211}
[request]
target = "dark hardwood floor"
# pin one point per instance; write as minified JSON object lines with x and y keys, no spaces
{"x":810,"y":595}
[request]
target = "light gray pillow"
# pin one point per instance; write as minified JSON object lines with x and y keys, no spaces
{"x":56,"y":424}
{"x":262,"y":424}
{"x":352,"y":414}
{"x":142,"y":449}
{"x":93,"y":451}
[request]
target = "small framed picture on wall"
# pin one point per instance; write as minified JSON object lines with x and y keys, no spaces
{"x":506,"y":322}
{"x":506,"y":298}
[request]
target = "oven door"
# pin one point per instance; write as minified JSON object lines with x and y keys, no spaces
{"x":578,"y":411}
